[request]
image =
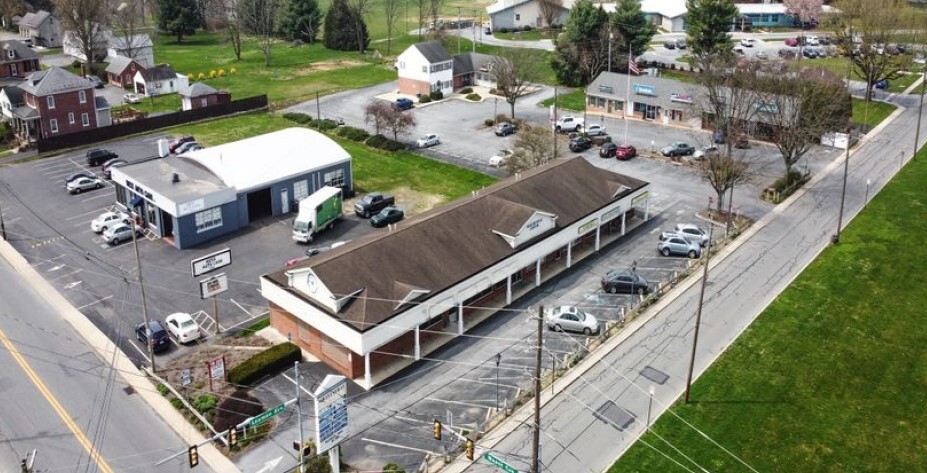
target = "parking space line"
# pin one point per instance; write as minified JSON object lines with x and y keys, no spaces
{"x":57,"y":174}
{"x":139,"y":350}
{"x":262,"y":314}
{"x":462,"y":403}
{"x":387,"y":444}
{"x":67,"y":274}
{"x":240,"y":307}
{"x":94,"y":302}
{"x":107,"y":194}
{"x":55,"y":164}
{"x":85,"y":213}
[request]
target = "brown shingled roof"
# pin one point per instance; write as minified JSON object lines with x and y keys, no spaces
{"x":438,"y":249}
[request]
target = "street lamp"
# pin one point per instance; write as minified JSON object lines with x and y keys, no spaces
{"x":835,"y":238}
{"x":498,"y":360}
{"x":866,"y":200}
{"x":698,"y":313}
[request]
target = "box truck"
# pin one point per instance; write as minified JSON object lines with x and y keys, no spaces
{"x":316,"y":213}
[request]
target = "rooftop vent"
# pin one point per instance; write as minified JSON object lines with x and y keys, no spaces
{"x":176,"y":178}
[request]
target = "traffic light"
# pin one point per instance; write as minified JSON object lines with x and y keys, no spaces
{"x":470,"y":449}
{"x":437,"y":429}
{"x":193,"y":455}
{"x":307,"y":447}
{"x":233,"y":436}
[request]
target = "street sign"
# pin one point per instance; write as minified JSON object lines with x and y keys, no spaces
{"x":215,"y":369}
{"x":331,"y":412}
{"x":211,"y":262}
{"x":186,"y":377}
{"x":214,"y":285}
{"x":264,"y":416}
{"x":499,"y":463}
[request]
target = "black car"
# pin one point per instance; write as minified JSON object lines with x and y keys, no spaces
{"x":608,"y":150}
{"x":504,"y":129}
{"x":809,"y":53}
{"x":159,"y":338}
{"x":387,"y":216}
{"x":669,"y":44}
{"x":96,"y":157}
{"x":109,"y":165}
{"x":625,"y":281}
{"x":580,"y":144}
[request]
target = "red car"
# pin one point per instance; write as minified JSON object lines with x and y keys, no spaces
{"x":791,"y":42}
{"x":625,"y":152}
{"x":173,"y":145}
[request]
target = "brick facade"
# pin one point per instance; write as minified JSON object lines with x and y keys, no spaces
{"x":210,"y":100}
{"x":64,"y":105}
{"x":18,"y":69}
{"x":127,"y":77}
{"x":414,"y":87}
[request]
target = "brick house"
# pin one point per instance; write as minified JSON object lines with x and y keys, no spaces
{"x":200,"y":95}
{"x":56,"y":102}
{"x":42,"y":28}
{"x":17,"y":60}
{"x":121,"y":71}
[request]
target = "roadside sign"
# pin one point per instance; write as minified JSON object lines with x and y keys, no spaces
{"x":266,"y":415}
{"x":186,"y":377}
{"x":499,"y":463}
{"x":214,"y":285}
{"x":216,"y":369}
{"x":211,"y":262}
{"x":331,"y":412}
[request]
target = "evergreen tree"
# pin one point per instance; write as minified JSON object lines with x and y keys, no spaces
{"x":340,"y":27}
{"x":707,"y":25}
{"x":300,"y":19}
{"x":630,"y":22}
{"x":178,"y":17}
{"x":582,"y":47}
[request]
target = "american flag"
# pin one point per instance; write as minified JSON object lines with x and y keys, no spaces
{"x":632,"y":66}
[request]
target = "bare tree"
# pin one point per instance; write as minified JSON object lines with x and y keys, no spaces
{"x":723,"y":172}
{"x":728,"y":99}
{"x":259,"y":18}
{"x":10,"y":8}
{"x":864,"y":29}
{"x":422,"y":16}
{"x":125,"y":21}
{"x":85,"y":20}
{"x":400,"y":123}
{"x":379,"y":113}
{"x":233,"y":27}
{"x":391,"y":11}
{"x":513,"y":71}
{"x":805,"y":10}
{"x":359,"y":7}
{"x":434,"y":9}
{"x":533,"y":147}
{"x":550,"y":11}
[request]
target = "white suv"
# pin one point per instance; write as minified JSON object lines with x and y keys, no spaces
{"x":692,"y":233}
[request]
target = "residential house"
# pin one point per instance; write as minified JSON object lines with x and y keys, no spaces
{"x":11,"y":97}
{"x":425,"y":68}
{"x":16,"y":61}
{"x":670,"y":15}
{"x":160,"y":80}
{"x":72,"y":46}
{"x":121,"y":71}
{"x":137,"y":47}
{"x":42,"y":28}
{"x":473,"y":69}
{"x":517,"y":14}
{"x":56,"y":102}
{"x":200,"y":95}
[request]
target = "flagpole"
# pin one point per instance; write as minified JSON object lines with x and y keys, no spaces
{"x":627,"y":96}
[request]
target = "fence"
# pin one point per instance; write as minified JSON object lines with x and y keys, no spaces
{"x":148,"y":124}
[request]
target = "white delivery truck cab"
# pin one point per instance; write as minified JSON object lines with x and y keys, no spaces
{"x":316,"y":213}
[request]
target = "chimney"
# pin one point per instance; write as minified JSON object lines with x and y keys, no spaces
{"x":176,"y":178}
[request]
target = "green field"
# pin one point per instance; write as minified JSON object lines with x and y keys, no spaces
{"x":533,"y":35}
{"x":575,"y":100}
{"x":831,"y":377}
{"x":878,"y":111}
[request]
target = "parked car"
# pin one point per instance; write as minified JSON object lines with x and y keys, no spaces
{"x":173,"y":145}
{"x":681,"y":43}
{"x":739,"y":50}
{"x":186,"y":147}
{"x":812,"y":40}
{"x":748,"y":42}
{"x":78,"y":175}
{"x":428,"y":140}
{"x":504,"y":129}
{"x":678,"y":149}
{"x":761,"y":55}
{"x":372,"y":204}
{"x":791,"y":42}
{"x":488,"y":30}
{"x":84,"y":184}
{"x":625,"y":152}
{"x":692,"y":232}
{"x":786,"y":53}
{"x":624,"y":281}
{"x":119,"y":233}
{"x":131,"y":98}
{"x":403,"y":103}
{"x":809,"y":53}
{"x":740,"y":141}
{"x":580,"y":144}
{"x":387,"y":216}
{"x":705,"y":152}
{"x":571,"y":319}
{"x":595,"y":130}
{"x":109,"y":165}
{"x":108,"y":219}
{"x":97,"y":83}
{"x":501,"y":158}
{"x":182,"y":327}
{"x":96,"y":156}
{"x":669,"y":44}
{"x":154,"y":334}
{"x":881,"y":85}
{"x":675,"y":244}
{"x":608,"y":150}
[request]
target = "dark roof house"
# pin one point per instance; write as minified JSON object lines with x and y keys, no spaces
{"x":433,"y":51}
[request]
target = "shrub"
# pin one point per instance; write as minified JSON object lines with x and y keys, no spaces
{"x":493,"y":92}
{"x":504,"y":30}
{"x":466,"y":90}
{"x":300,"y":118}
{"x":201,"y":76}
{"x":267,"y":362}
{"x":436,"y":95}
{"x":474,"y":97}
{"x":324,"y":124}
{"x":393,"y":468}
{"x":221,"y":72}
{"x":353,"y":134}
{"x":784,"y":183}
{"x":212,"y":74}
{"x":232,"y":71}
{"x":76,"y":64}
{"x":204,"y":403}
{"x":163,"y":389}
{"x":376,"y":141}
{"x":424,"y":99}
{"x":503,"y":118}
{"x":519,"y":123}
{"x":526,"y":28}
{"x":190,"y":77}
{"x":390,"y":145}
{"x":177,"y":403}
{"x":384,"y":143}
{"x":489,"y":122}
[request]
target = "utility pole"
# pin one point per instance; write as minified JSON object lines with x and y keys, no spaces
{"x":698,"y":313}
{"x":299,"y":417}
{"x":141,"y":285}
{"x":3,"y":227}
{"x":536,"y":440}
{"x":473,"y":28}
{"x":553,"y":124}
{"x":318,"y":108}
{"x":835,"y":238}
{"x":458,"y":30}
{"x":611,"y":36}
{"x":917,"y":131}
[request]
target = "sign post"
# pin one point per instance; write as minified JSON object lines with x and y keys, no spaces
{"x":215,"y":285}
{"x":331,"y":417}
{"x":215,"y":369}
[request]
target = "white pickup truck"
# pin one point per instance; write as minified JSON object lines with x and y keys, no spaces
{"x":568,"y":124}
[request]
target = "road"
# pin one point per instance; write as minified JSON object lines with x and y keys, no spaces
{"x":741,"y":285}
{"x":64,"y":401}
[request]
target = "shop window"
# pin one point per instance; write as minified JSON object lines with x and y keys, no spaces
{"x":208,"y":219}
{"x":121,"y":196}
{"x":334,"y":178}
{"x":300,"y":189}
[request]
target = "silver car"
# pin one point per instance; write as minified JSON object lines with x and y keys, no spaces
{"x":84,"y":184}
{"x":428,"y":141}
{"x":572,"y":319}
{"x":108,"y":219}
{"x":118,"y":234}
{"x":692,"y":233}
{"x":674,"y":244}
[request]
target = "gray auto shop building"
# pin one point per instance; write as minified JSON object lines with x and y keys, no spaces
{"x":201,"y":195}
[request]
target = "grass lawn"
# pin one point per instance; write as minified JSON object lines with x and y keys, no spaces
{"x":161,"y":103}
{"x":575,"y":100}
{"x":878,"y":111}
{"x":830,"y":378}
{"x":533,"y":35}
{"x":545,"y":74}
{"x":902,"y":83}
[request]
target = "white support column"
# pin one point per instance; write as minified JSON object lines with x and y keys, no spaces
{"x":598,"y":236}
{"x":569,"y":254}
{"x":368,"y":379}
{"x":460,"y":319}
{"x":418,"y":346}
{"x":624,"y":218}
{"x":537,"y":273}
{"x":647,"y":208}
{"x":508,"y":289}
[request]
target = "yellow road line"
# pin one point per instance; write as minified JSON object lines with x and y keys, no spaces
{"x":81,"y":438}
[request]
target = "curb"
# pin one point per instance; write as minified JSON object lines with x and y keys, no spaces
{"x":129,"y":373}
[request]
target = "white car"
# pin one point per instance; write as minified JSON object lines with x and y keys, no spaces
{"x":812,"y":41}
{"x":501,"y":158}
{"x":182,"y":327}
{"x":108,"y":219}
{"x":595,"y":130}
{"x":692,"y":232}
{"x":572,"y":319}
{"x":84,"y":184}
{"x":428,"y":140}
{"x":748,"y":42}
{"x":119,"y":233}
{"x":704,"y":152}
{"x":131,"y":98}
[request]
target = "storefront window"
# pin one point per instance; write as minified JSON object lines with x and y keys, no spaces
{"x":335,"y":178}
{"x":208,"y":219}
{"x":300,"y":189}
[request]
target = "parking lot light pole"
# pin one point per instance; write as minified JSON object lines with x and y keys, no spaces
{"x":141,"y":285}
{"x":698,"y":313}
{"x":498,"y":360}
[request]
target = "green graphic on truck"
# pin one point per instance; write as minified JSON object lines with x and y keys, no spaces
{"x":316,"y":213}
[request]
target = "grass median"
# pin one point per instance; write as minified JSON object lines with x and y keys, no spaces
{"x":831,"y":376}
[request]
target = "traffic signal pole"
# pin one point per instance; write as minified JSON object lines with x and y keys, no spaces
{"x":536,"y":438}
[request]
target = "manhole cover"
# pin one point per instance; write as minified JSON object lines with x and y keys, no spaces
{"x":129,"y":390}
{"x":654,"y":375}
{"x":617,"y":417}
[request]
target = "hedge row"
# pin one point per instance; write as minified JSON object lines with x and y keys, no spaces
{"x":354,"y":134}
{"x":304,"y":119}
{"x":384,"y":143}
{"x":267,"y":362}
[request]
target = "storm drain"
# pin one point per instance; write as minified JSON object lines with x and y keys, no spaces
{"x":654,"y":375}
{"x":615,"y":416}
